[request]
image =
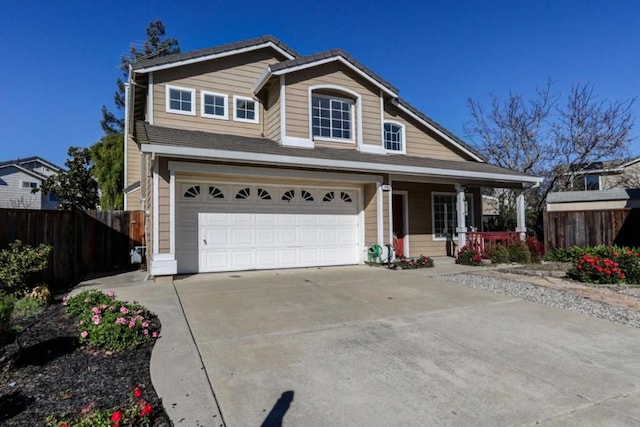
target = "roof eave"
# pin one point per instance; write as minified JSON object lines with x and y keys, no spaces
{"x":203,"y":58}
{"x":312,"y":162}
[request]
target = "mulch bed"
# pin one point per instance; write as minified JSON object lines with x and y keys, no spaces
{"x":49,"y":373}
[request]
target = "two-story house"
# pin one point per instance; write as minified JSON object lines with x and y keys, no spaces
{"x":606,"y":175}
{"x":251,"y":156}
{"x":19,"y":177}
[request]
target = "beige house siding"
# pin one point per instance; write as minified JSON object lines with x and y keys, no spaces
{"x":133,"y":162}
{"x":370,"y":214}
{"x":164,"y":245}
{"x":421,"y":220}
{"x":297,"y":100}
{"x":272,"y":112}
{"x":133,"y":200}
{"x":422,"y":142}
{"x":234,"y":75}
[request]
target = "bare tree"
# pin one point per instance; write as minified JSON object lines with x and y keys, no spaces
{"x":512,"y":133}
{"x":556,"y":142}
{"x":587,"y":130}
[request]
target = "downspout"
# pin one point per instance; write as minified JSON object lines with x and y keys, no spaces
{"x":125,"y":139}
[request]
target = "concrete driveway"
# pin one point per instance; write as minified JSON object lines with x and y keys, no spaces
{"x":360,"y":346}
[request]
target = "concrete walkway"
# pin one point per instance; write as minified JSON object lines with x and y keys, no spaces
{"x":350,"y":346}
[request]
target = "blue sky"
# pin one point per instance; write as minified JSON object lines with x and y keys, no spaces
{"x":60,"y":58}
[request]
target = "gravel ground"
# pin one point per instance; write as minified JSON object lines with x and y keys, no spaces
{"x":548,"y":296}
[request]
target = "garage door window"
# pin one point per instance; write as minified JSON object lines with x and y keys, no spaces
{"x":192,"y":192}
{"x":245,"y":193}
{"x":216,"y":193}
{"x":264,"y":194}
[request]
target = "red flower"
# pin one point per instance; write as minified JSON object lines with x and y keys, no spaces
{"x":146,"y":410}
{"x":137,"y":392}
{"x":64,"y":425}
{"x":616,"y":254}
{"x":116,"y":417}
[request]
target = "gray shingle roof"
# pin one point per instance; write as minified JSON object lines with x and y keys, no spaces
{"x":157,"y":135}
{"x":438,"y":126}
{"x":27,"y":160}
{"x":309,"y":59}
{"x":152,"y":62}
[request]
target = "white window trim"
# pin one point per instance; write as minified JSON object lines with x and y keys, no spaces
{"x":225,"y":116}
{"x":245,"y":98}
{"x":468,"y":197}
{"x":192,"y":112}
{"x":403,"y":137}
{"x":315,"y":91}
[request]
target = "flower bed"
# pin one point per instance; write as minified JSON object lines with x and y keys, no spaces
{"x":605,"y":265}
{"x":412,"y":263}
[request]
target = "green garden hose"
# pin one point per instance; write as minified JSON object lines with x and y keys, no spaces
{"x":374,"y":252}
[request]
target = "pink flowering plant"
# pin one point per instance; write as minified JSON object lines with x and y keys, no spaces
{"x":107,"y":323}
{"x":411,"y":263}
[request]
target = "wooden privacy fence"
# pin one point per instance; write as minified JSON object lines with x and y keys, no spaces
{"x":590,"y":228}
{"x":83,"y":242}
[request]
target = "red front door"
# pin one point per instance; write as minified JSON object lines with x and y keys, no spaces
{"x":398,"y":224}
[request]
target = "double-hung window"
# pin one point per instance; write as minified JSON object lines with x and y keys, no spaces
{"x":445,"y":215}
{"x":394,"y":137}
{"x":245,"y":109}
{"x":332,"y":118}
{"x":181,"y":100}
{"x":213,"y":105}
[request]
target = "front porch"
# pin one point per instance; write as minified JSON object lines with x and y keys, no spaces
{"x":437,"y":217}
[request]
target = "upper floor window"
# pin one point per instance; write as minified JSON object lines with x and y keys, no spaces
{"x":29,"y":184}
{"x":592,"y":182}
{"x":332,"y":117}
{"x":213,"y":105}
{"x":394,"y":137}
{"x":181,"y":100}
{"x":245,"y":109}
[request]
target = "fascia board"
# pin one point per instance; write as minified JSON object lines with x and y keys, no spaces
{"x":236,"y":156}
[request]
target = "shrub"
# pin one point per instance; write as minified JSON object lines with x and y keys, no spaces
{"x":468,"y":255}
{"x":6,"y":308}
{"x":412,"y":263}
{"x":519,"y":253}
{"x":594,"y":269}
{"x":498,"y":254}
{"x":135,"y":412}
{"x":41,"y":293}
{"x":18,"y":263}
{"x":564,"y":255}
{"x":109,"y":324}
{"x":28,"y":307}
{"x":629,"y":262}
{"x":536,"y":249}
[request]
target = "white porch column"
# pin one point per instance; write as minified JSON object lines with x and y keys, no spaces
{"x":521,"y":216}
{"x":461,"y":228}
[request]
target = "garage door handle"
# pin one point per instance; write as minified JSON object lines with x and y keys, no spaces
{"x":205,"y":241}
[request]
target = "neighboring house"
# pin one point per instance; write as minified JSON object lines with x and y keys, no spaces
{"x":251,"y":156}
{"x":605,"y":175}
{"x":19,"y":177}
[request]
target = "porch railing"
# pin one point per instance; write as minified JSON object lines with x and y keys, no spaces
{"x":482,"y":240}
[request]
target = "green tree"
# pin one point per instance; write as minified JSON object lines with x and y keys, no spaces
{"x":108,"y":153}
{"x":108,"y":157}
{"x":155,"y":45}
{"x":75,"y":187}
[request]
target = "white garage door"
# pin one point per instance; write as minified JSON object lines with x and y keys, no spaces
{"x":230,"y":227}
